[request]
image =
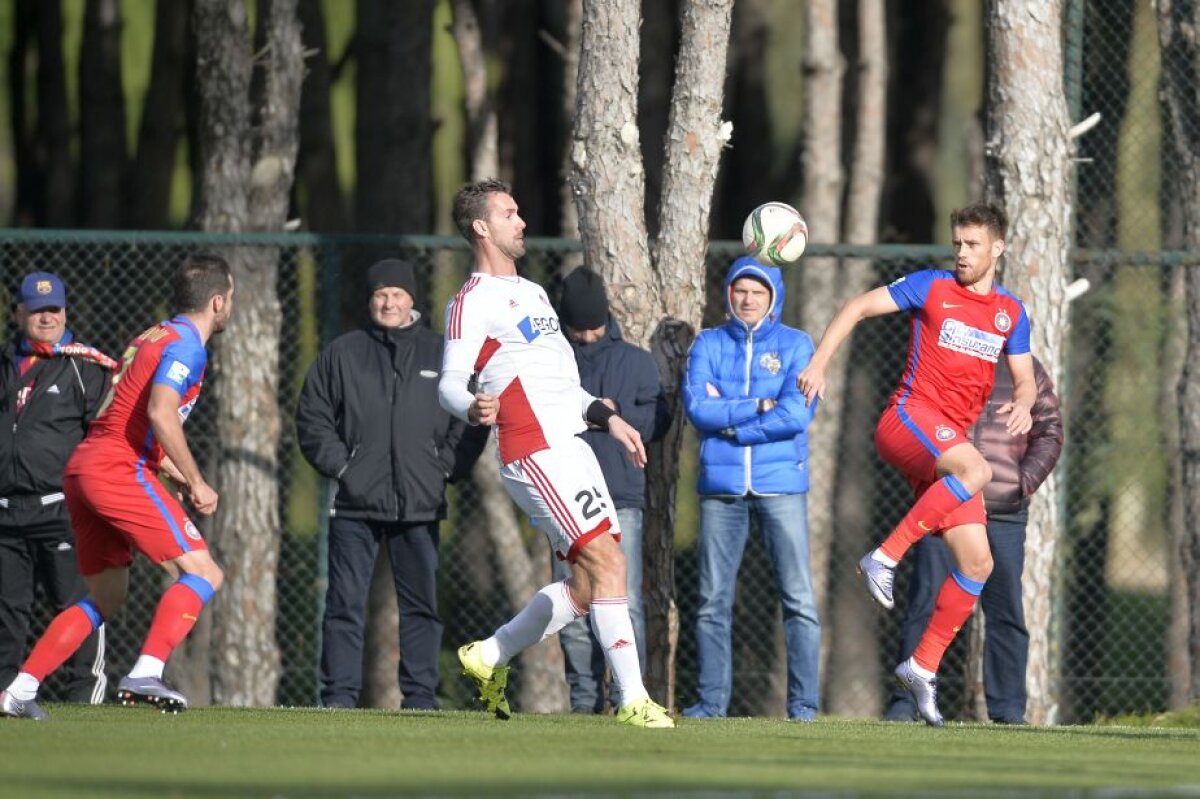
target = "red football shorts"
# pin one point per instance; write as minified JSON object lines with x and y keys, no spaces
{"x":911,"y":439}
{"x":114,"y":513}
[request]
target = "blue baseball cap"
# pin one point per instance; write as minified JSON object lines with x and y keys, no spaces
{"x":41,"y":290}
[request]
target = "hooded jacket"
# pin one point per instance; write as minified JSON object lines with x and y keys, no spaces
{"x":626,"y":374}
{"x":730,"y":368}
{"x":368,"y":417}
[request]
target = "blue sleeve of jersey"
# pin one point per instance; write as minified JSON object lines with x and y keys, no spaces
{"x":182,"y":365}
{"x":910,"y":291}
{"x":1018,"y":342}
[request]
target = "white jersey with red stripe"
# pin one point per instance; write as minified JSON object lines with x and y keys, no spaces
{"x":502,"y":331}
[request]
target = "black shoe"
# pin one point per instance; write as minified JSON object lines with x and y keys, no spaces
{"x":1011,"y":722}
{"x":901,"y":710}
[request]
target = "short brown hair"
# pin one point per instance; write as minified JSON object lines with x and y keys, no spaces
{"x":198,"y":279}
{"x":981,"y":215}
{"x":471,"y":203}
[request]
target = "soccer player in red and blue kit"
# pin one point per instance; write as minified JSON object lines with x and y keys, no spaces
{"x":118,"y":504}
{"x":962,"y":324}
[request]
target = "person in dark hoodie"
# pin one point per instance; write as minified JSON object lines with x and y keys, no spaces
{"x":368,"y":417}
{"x":50,"y":390}
{"x":741,"y":394}
{"x":627,"y":376}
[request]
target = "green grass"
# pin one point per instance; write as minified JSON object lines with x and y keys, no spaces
{"x":306,"y":753}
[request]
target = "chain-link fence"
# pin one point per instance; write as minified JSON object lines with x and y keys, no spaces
{"x":1116,"y":605}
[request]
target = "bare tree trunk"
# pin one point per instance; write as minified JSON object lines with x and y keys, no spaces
{"x":381,"y":643}
{"x":316,"y":165}
{"x":102,"y":151}
{"x":1028,"y":151}
{"x":656,"y":305}
{"x":1178,"y":24}
{"x":572,"y":34}
{"x":816,"y":299}
{"x":483,"y":138}
{"x":162,"y":119}
{"x":852,"y":678}
{"x":247,"y":177}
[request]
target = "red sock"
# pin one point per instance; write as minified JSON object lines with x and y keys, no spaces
{"x":950,"y":613}
{"x":65,"y":634}
{"x":926,"y":516}
{"x":177,"y":612}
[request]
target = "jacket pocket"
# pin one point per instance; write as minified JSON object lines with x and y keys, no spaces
{"x":349,"y":460}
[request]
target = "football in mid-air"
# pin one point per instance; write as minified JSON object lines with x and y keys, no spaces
{"x":775,"y":233}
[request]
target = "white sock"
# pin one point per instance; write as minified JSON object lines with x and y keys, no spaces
{"x":549,"y":611}
{"x":920,"y":670}
{"x":147,"y":666}
{"x":614,"y":631}
{"x":882,"y":558}
{"x":24,"y":687}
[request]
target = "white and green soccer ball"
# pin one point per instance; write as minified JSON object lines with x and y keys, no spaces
{"x":775,"y":233}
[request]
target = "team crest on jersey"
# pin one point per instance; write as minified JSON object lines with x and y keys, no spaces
{"x":190,"y":530}
{"x":944,"y":433}
{"x":771,"y":362}
{"x":1003,"y":321}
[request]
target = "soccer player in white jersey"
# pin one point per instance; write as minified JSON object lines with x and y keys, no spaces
{"x":507,"y":364}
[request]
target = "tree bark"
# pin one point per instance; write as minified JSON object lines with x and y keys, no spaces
{"x":852,"y":677}
{"x":102,"y":162}
{"x":814,"y":298}
{"x":247,"y":179}
{"x":162,"y":120}
{"x":1029,"y":158}
{"x":657,"y":304}
{"x":1178,"y":25}
{"x":483,"y":140}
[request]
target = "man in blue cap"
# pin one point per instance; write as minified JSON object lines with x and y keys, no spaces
{"x":50,"y":389}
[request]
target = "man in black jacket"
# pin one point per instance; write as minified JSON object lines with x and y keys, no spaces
{"x":626,"y":375}
{"x":50,"y":389}
{"x":369,"y":417}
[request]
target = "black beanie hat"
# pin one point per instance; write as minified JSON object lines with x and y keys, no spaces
{"x":392,"y":272}
{"x":584,"y":303}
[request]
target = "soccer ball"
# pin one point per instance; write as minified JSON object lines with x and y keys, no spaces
{"x":775,"y":233}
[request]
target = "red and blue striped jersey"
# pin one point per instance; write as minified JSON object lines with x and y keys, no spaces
{"x":957,"y":338}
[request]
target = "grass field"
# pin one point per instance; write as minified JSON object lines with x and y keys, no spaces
{"x":111,"y":751}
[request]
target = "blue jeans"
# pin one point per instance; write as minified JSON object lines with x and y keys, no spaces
{"x":724,"y":529}
{"x":581,"y":651}
{"x":1006,"y":641}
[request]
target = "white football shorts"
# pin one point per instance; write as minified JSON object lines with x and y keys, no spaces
{"x":563,"y":490}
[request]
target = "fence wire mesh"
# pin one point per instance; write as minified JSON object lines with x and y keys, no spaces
{"x":1116,"y":606}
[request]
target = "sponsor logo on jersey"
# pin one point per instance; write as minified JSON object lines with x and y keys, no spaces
{"x":178,"y":372}
{"x":190,"y":530}
{"x":771,"y":362}
{"x":961,"y":337}
{"x":186,"y":408}
{"x":533,"y":326}
{"x":1003,"y":321}
{"x":944,"y":433}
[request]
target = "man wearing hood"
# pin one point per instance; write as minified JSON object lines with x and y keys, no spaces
{"x":369,"y":418}
{"x":741,"y":395}
{"x":626,"y":376}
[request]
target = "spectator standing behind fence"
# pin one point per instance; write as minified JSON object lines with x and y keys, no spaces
{"x":117,"y":503}
{"x":1020,"y":464}
{"x":741,"y":394}
{"x":50,"y":390}
{"x":368,"y":417}
{"x":626,"y":375}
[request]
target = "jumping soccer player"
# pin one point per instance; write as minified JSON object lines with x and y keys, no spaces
{"x":506,"y":363}
{"x":962,"y":322}
{"x":117,"y":502}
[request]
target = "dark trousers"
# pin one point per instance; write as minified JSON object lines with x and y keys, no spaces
{"x":1006,"y":641}
{"x":413,"y":552}
{"x":37,"y":548}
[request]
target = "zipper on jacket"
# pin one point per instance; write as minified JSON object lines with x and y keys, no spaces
{"x":746,"y":462}
{"x":395,"y":467}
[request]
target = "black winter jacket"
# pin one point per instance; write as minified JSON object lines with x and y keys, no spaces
{"x":615,"y":369}
{"x":368,"y":417}
{"x":35,"y":446}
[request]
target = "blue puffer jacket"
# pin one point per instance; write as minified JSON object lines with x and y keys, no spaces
{"x":729,"y":369}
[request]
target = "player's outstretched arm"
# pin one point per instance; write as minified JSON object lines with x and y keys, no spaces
{"x":163,"y":411}
{"x":875,"y":302}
